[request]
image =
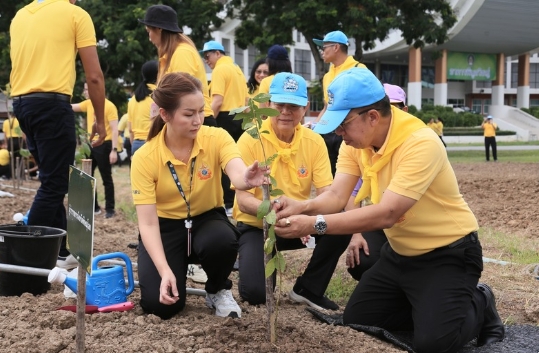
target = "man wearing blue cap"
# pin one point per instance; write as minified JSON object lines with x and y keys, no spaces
{"x":426,"y":279}
{"x":301,"y":163}
{"x":227,"y":91}
{"x":334,"y":51}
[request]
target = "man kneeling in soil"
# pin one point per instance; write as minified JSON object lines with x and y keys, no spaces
{"x":427,"y":277}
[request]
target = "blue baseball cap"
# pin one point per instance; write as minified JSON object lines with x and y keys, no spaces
{"x":333,"y":37}
{"x":353,"y":88}
{"x":211,"y":46}
{"x":287,"y":87}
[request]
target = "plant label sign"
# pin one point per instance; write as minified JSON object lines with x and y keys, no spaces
{"x":80,"y":216}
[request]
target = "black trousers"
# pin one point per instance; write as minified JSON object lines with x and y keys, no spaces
{"x":100,"y":160}
{"x":315,"y":278}
{"x":233,"y":127}
{"x":49,"y":126}
{"x":375,"y":240}
{"x":434,"y":294}
{"x":333,"y":143}
{"x":491,"y":142}
{"x":214,"y":246}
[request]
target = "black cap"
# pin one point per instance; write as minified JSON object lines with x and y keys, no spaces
{"x":162,"y":16}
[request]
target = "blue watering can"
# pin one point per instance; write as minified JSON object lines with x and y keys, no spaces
{"x":106,"y":285}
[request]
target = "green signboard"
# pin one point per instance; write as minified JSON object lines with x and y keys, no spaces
{"x":470,"y":66}
{"x":80,"y":216}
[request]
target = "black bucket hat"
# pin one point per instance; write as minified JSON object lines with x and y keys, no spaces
{"x":162,"y":16}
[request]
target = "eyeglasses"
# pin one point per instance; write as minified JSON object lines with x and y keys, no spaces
{"x":262,"y":72}
{"x":290,"y":107}
{"x":323,"y":48}
{"x":342,"y":128}
{"x":207,"y":55}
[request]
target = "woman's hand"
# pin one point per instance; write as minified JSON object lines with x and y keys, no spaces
{"x":255,"y":175}
{"x":168,"y":291}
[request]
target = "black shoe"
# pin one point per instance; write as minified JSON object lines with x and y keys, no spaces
{"x":493,"y":329}
{"x":301,"y":295}
{"x":110,"y":214}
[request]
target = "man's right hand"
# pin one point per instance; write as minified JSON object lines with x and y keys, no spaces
{"x":286,"y":207}
{"x":356,"y":243}
{"x":99,"y":131}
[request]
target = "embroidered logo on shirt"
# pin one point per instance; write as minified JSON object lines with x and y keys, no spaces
{"x":303,"y":172}
{"x":204,"y":173}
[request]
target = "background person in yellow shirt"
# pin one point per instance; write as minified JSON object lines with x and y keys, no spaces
{"x":334,"y":51}
{"x":177,"y":52}
{"x":139,"y":106}
{"x":5,"y":161}
{"x":45,"y":39}
{"x":227,"y":91}
{"x":489,"y":131}
{"x":105,"y":155}
{"x":258,"y":73}
{"x":426,"y":279}
{"x":176,"y":184}
{"x":13,"y":135}
{"x":302,"y":164}
{"x":278,"y":61}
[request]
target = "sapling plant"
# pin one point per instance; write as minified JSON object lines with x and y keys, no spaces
{"x":252,"y":117}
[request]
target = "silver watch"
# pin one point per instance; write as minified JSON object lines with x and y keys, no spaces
{"x":320,"y":226}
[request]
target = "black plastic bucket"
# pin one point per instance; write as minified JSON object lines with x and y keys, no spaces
{"x":31,"y":246}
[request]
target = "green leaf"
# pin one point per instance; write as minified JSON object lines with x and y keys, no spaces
{"x":262,"y":97}
{"x":270,"y":267}
{"x":238,"y":110}
{"x":264,"y":132}
{"x":247,"y":125}
{"x":24,"y":152}
{"x":280,"y":262}
{"x":276,"y":192}
{"x":273,"y":181}
{"x":268,"y":111}
{"x":268,"y":245}
{"x":263,"y":209}
{"x":85,"y":150}
{"x":253,"y":133}
{"x":271,"y":217}
{"x":243,"y":116}
{"x":271,"y":233}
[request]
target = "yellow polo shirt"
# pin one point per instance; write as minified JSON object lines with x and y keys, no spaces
{"x":227,"y":80}
{"x":311,"y":162}
{"x":152,"y":183}
{"x":122,"y":126}
{"x":139,"y":116}
{"x":187,"y":59}
{"x":489,"y":130}
{"x":419,"y":169}
{"x":265,"y":84}
{"x":111,"y":114}
{"x":4,"y":157}
{"x":333,"y":71}
{"x":43,"y":49}
{"x":10,"y":128}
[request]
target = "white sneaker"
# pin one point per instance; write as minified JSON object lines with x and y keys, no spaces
{"x":224,"y":304}
{"x":196,"y":274}
{"x":67,"y":262}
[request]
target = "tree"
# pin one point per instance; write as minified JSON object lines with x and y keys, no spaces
{"x":7,"y":12}
{"x":263,"y":24}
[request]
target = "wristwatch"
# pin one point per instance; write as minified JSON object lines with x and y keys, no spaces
{"x":320,"y":226}
{"x":115,"y":149}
